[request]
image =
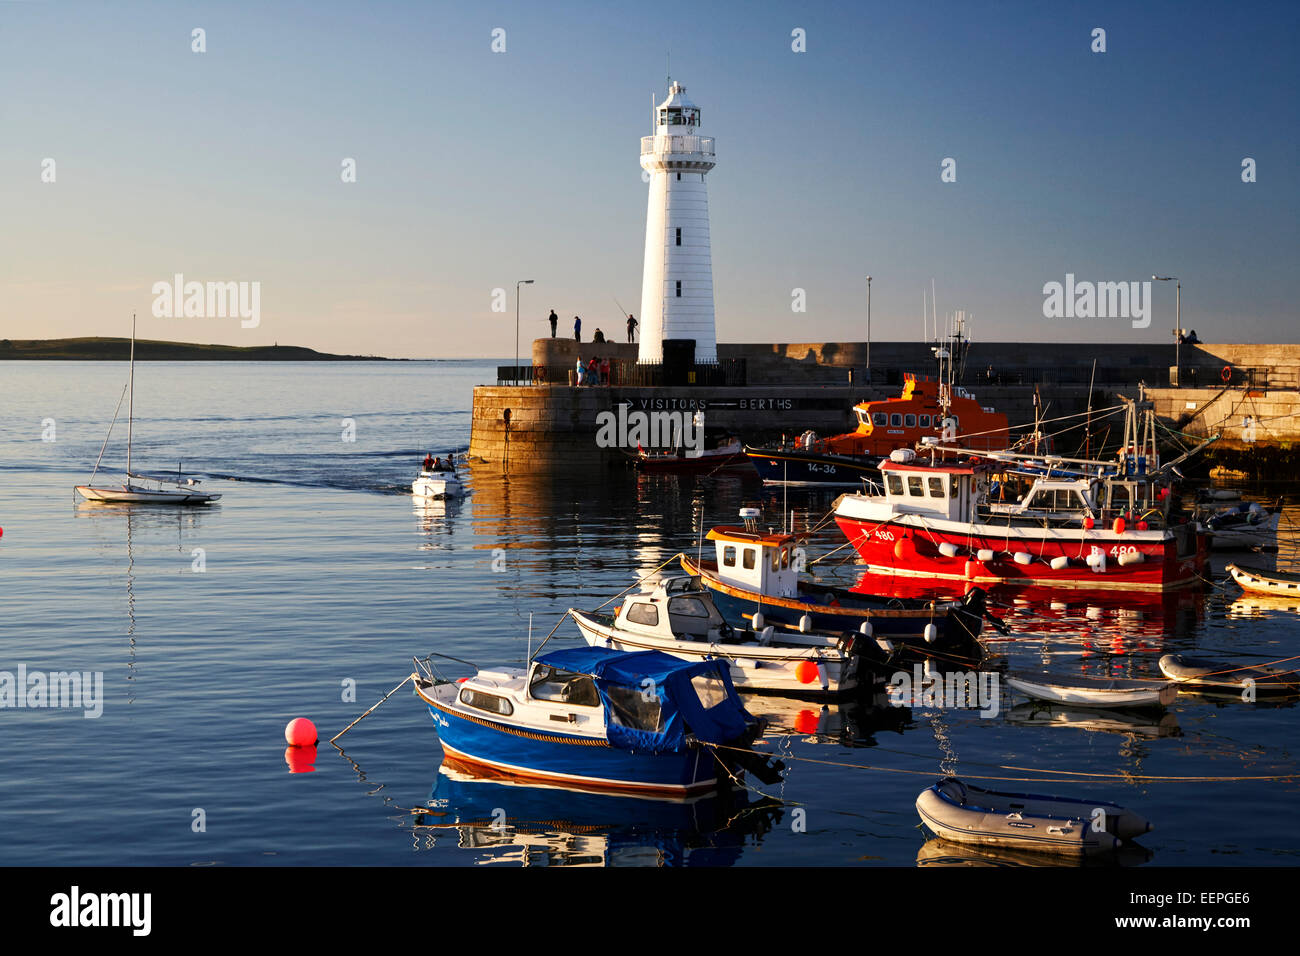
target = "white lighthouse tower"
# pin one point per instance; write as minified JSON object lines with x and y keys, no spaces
{"x":677,"y":283}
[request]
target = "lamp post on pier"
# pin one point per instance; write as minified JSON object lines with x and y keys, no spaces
{"x":1178,"y":322}
{"x":517,"y":285}
{"x":868,"y":330}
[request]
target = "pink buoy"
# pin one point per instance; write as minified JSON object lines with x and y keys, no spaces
{"x":301,"y":732}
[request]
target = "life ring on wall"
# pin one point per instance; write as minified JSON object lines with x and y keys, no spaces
{"x":1226,"y":374}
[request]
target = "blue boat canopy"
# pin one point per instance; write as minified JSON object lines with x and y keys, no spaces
{"x":653,"y":700}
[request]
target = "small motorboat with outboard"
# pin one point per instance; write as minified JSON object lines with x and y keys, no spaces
{"x":438,"y":479}
{"x":593,"y":718}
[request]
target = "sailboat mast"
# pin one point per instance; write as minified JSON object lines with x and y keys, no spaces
{"x":130,"y":407}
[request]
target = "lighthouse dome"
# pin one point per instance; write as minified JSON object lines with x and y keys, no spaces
{"x":677,"y":109}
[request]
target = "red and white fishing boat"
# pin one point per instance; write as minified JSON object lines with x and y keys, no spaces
{"x":1080,"y":524}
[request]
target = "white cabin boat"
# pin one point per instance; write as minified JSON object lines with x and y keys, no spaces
{"x":437,"y":484}
{"x":680,"y":618}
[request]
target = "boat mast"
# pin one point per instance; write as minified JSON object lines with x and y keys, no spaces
{"x":130,"y":406}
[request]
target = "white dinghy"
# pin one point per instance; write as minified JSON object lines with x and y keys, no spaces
{"x":968,"y":814}
{"x":1080,"y":691}
{"x":140,"y":489}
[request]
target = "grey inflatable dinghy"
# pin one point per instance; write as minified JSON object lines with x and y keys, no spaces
{"x":1199,"y":674}
{"x":968,"y":814}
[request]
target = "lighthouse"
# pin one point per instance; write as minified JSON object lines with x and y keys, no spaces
{"x":677,"y":282}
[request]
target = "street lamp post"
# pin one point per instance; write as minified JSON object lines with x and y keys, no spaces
{"x":868,"y":330}
{"x":517,"y":285}
{"x":1178,"y":321}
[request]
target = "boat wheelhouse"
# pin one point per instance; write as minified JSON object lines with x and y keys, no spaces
{"x":593,"y":718}
{"x":755,"y":579}
{"x":952,"y":520}
{"x":927,"y":409}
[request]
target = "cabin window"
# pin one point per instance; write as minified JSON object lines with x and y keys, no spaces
{"x":632,"y":708}
{"x":688,"y":606}
{"x":710,"y":690}
{"x":863,"y":417}
{"x":895,"y":420}
{"x":785,"y":558}
{"x":936,"y":487}
{"x":909,"y":421}
{"x":566,"y":687}
{"x":894,"y":484}
{"x":646,"y":614}
{"x":914,"y":486}
{"x":776,"y":560}
{"x":750,"y":558}
{"x":679,"y":237}
{"x":489,"y":702}
{"x":880,"y":418}
{"x":729,"y":556}
{"x":679,"y":290}
{"x":952,"y":487}
{"x":925,"y":421}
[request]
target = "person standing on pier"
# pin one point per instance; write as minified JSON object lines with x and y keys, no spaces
{"x":599,"y":336}
{"x":631,"y":327}
{"x":577,"y":329}
{"x":555,"y":321}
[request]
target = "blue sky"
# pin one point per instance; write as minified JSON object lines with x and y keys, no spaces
{"x":475,"y":168}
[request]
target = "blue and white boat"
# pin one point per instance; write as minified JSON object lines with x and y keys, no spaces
{"x":593,"y":718}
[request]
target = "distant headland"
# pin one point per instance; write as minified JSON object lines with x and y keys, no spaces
{"x":115,"y":349}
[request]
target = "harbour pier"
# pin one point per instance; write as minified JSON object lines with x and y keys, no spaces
{"x":537,"y":417}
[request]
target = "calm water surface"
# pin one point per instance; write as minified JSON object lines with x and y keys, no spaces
{"x":320,"y":571}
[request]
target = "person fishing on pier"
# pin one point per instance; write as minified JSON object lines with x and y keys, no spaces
{"x":577,"y":329}
{"x":631,"y":327}
{"x":555,"y":321}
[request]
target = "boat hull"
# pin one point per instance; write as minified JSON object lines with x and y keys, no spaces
{"x":753,"y":669}
{"x":813,"y":469}
{"x":957,"y":631}
{"x":489,"y":747}
{"x":1276,"y":583}
{"x":143,"y":496}
{"x":1102,"y":694}
{"x":1043,"y":824}
{"x":897,"y":545}
{"x":437,"y":485}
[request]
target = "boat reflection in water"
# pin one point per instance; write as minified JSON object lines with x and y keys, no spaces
{"x":853,"y":722}
{"x":937,"y":851}
{"x":1134,"y":616}
{"x":512,"y":823}
{"x":435,"y":516}
{"x":1148,"y":724}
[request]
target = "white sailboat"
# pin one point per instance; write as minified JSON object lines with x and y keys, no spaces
{"x":160,"y":491}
